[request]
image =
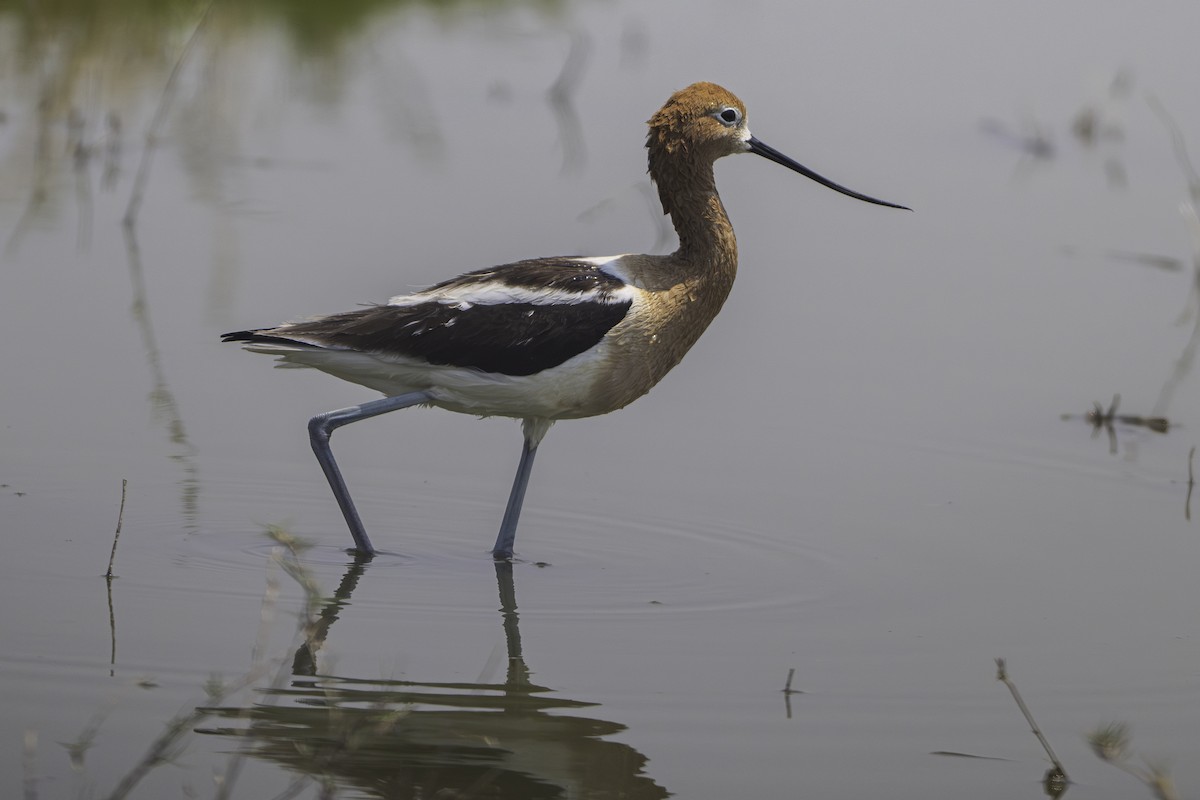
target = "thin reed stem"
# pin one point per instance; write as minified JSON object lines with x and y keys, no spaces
{"x":1002,"y":676}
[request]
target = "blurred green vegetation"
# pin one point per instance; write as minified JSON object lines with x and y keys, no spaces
{"x":313,"y":27}
{"x":81,"y":79}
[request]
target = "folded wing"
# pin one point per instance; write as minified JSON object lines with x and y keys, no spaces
{"x":518,"y":319}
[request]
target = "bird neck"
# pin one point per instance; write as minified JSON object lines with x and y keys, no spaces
{"x":705,"y":233}
{"x":688,"y":192}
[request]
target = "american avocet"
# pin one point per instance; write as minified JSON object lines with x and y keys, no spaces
{"x":549,"y":338}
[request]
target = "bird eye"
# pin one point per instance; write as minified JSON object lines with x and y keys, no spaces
{"x":729,"y":116}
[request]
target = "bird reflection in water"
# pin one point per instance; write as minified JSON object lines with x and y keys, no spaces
{"x":410,"y":739}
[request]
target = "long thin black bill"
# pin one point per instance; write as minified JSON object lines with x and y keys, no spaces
{"x":768,"y":152}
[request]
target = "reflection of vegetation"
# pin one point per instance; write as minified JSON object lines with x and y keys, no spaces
{"x":162,"y":400}
{"x":1102,"y":420}
{"x":317,"y":25}
{"x":82,"y":73}
{"x":141,"y":28}
{"x":1098,"y":123}
{"x":1111,"y":744}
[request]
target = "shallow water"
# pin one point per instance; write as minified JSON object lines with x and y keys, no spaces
{"x":860,"y":473}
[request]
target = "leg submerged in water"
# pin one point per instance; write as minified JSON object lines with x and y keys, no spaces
{"x":321,"y":428}
{"x":533,"y":430}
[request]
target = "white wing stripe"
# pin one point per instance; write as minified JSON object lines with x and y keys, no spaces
{"x":496,"y":293}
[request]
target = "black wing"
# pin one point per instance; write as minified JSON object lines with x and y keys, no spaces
{"x":518,"y":319}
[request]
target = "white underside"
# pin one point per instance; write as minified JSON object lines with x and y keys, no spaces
{"x":563,"y":392}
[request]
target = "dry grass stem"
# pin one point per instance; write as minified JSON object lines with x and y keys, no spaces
{"x":1002,"y":676}
{"x":1191,"y":484}
{"x":120,"y":520}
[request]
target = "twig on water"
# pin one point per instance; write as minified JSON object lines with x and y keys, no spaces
{"x":116,"y":536}
{"x":1059,"y":773}
{"x":788,"y":691}
{"x":1187,"y":504}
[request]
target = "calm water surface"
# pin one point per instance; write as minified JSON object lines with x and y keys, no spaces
{"x":861,"y":472}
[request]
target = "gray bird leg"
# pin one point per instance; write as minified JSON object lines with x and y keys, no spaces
{"x":512,"y":513}
{"x":321,"y":428}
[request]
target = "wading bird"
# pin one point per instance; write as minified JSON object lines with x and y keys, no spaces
{"x":548,"y":338}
